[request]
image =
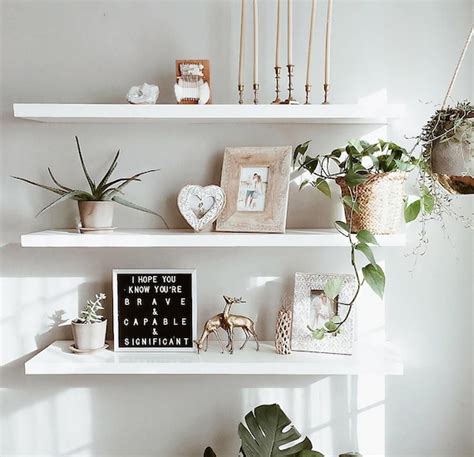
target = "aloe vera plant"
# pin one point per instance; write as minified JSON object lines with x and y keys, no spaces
{"x":104,"y":190}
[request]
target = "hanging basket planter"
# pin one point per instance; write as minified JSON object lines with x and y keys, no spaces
{"x":452,"y":162}
{"x":380,"y":203}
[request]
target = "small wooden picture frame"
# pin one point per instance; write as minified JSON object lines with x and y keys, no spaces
{"x":206,"y":79}
{"x":154,"y":310}
{"x":255,"y":180}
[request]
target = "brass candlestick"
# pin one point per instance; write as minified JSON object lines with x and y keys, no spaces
{"x":290,"y":100}
{"x":326,"y":94}
{"x":307,"y":89}
{"x":255,"y":91}
{"x":240,"y":88}
{"x":277,"y":100}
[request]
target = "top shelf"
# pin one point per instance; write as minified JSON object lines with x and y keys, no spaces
{"x":270,"y":114}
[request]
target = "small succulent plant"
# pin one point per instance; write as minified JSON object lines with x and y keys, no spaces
{"x":89,"y":315}
{"x":105,"y":190}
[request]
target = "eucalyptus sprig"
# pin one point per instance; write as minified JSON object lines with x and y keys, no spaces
{"x":355,"y":164}
{"x":104,"y":190}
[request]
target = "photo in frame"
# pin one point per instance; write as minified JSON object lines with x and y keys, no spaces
{"x":154,"y":310}
{"x":255,"y":181}
{"x":312,"y":308}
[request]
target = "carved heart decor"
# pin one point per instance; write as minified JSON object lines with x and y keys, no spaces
{"x":201,"y":206}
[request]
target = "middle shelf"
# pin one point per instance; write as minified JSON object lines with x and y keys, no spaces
{"x":187,"y":238}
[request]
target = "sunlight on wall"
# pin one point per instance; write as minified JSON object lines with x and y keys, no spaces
{"x":371,"y":414}
{"x":38,"y":304}
{"x":359,"y":403}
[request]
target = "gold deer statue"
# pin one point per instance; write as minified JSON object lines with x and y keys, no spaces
{"x":231,"y":321}
{"x":211,"y":326}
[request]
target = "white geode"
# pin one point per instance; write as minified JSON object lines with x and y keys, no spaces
{"x":146,"y":94}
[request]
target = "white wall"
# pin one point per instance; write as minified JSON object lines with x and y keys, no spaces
{"x":93,"y":51}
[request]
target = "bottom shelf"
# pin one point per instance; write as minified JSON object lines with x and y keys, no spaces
{"x":367,"y":359}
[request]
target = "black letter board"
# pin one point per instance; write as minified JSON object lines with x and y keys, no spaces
{"x":154,"y":310}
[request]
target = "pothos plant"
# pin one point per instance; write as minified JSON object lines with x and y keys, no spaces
{"x":356,"y":163}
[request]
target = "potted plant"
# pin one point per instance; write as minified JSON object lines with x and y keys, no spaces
{"x":268,"y":431}
{"x":447,"y":147}
{"x":89,"y":328}
{"x":96,"y":206}
{"x":371,"y":178}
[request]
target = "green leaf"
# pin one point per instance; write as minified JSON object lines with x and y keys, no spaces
{"x":67,"y":189}
{"x":307,"y":453}
{"x":412,"y":210}
{"x":403,"y":166}
{"x":319,"y":334}
{"x":375,"y":278}
{"x":68,"y":196}
{"x":128,"y":204}
{"x":109,"y":172}
{"x":304,"y":184}
{"x":51,"y":189}
{"x":323,"y":186}
{"x":208,"y":452}
{"x":367,"y":251}
{"x":354,"y":179}
{"x":352,"y":204}
{"x":263,"y":435}
{"x":89,"y":179}
{"x":364,"y":236}
{"x":344,"y":226}
{"x":330,"y":326}
{"x":333,"y":287}
{"x":300,"y":150}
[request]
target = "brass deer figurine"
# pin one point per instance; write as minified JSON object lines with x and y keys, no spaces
{"x":231,"y":321}
{"x":211,"y":326}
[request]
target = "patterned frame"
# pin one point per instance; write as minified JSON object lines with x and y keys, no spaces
{"x":301,"y":339}
{"x":273,"y":218}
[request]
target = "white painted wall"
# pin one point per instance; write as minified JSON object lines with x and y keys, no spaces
{"x":93,"y":51}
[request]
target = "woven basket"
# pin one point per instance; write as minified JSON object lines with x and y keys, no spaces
{"x":380,"y":201}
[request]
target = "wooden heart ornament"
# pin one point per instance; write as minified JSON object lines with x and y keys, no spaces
{"x":201,"y":206}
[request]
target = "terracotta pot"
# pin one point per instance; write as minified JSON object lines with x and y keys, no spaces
{"x":380,"y":201}
{"x":96,"y":214}
{"x":89,"y":337}
{"x":452,"y":161}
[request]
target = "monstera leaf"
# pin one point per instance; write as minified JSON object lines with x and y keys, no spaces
{"x":268,"y":429}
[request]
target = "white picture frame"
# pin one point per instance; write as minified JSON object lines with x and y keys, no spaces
{"x":116,"y":309}
{"x":308,"y":286}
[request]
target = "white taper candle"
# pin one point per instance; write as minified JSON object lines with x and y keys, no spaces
{"x":310,"y":43}
{"x":241,"y":55}
{"x":327,"y":51}
{"x":255,"y":42}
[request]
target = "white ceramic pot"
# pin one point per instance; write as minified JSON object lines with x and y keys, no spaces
{"x":96,"y":214}
{"x":88,"y":337}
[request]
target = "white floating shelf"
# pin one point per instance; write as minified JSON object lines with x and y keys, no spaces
{"x":367,"y":359}
{"x":92,"y":113}
{"x":64,"y":238}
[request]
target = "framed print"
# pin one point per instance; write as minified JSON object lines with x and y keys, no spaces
{"x":255,"y":181}
{"x":312,"y":309}
{"x":154,"y":310}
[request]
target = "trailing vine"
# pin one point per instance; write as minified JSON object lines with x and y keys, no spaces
{"x":356,"y":163}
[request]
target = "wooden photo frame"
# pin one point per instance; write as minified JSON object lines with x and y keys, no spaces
{"x":308,"y":288}
{"x":154,"y":310}
{"x":255,"y":180}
